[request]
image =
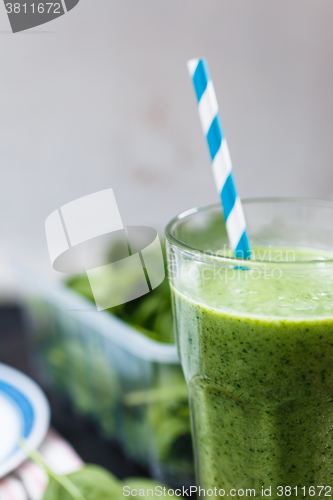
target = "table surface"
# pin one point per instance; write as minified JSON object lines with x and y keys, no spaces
{"x":80,"y":434}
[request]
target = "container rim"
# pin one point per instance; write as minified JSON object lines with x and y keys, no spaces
{"x":203,"y":256}
{"x":113,"y":329}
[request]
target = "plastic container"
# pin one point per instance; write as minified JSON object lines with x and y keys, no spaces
{"x":131,"y":386}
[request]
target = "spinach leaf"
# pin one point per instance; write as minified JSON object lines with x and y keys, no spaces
{"x":89,"y":483}
{"x":92,"y":482}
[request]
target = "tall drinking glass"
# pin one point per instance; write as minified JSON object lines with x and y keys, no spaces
{"x":256,"y":345}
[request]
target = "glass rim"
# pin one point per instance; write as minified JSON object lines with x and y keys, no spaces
{"x":203,"y":256}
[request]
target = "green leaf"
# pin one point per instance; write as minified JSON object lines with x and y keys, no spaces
{"x":92,"y":482}
{"x":63,"y":482}
{"x":156,"y":395}
{"x":89,"y":483}
{"x":55,"y":491}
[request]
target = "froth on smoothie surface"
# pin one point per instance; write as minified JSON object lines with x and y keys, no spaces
{"x":275,"y":291}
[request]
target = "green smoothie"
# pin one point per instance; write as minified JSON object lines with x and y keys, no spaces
{"x":257,"y":353}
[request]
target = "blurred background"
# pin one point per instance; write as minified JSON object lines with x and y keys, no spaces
{"x":101,"y":98}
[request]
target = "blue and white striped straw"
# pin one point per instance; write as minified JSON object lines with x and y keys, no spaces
{"x":220,"y":156}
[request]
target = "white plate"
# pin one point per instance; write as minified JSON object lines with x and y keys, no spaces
{"x":24,"y":414}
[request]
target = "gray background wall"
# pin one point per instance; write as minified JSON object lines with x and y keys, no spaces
{"x":101,"y":98}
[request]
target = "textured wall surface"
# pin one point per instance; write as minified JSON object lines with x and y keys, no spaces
{"x":101,"y":98}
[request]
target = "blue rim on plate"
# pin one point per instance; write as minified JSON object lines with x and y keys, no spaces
{"x":24,"y":414}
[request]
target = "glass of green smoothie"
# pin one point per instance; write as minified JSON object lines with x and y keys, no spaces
{"x":255,"y":341}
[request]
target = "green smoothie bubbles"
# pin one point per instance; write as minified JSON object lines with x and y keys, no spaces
{"x":255,"y":340}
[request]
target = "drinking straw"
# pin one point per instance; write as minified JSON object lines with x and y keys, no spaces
{"x":220,"y":157}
